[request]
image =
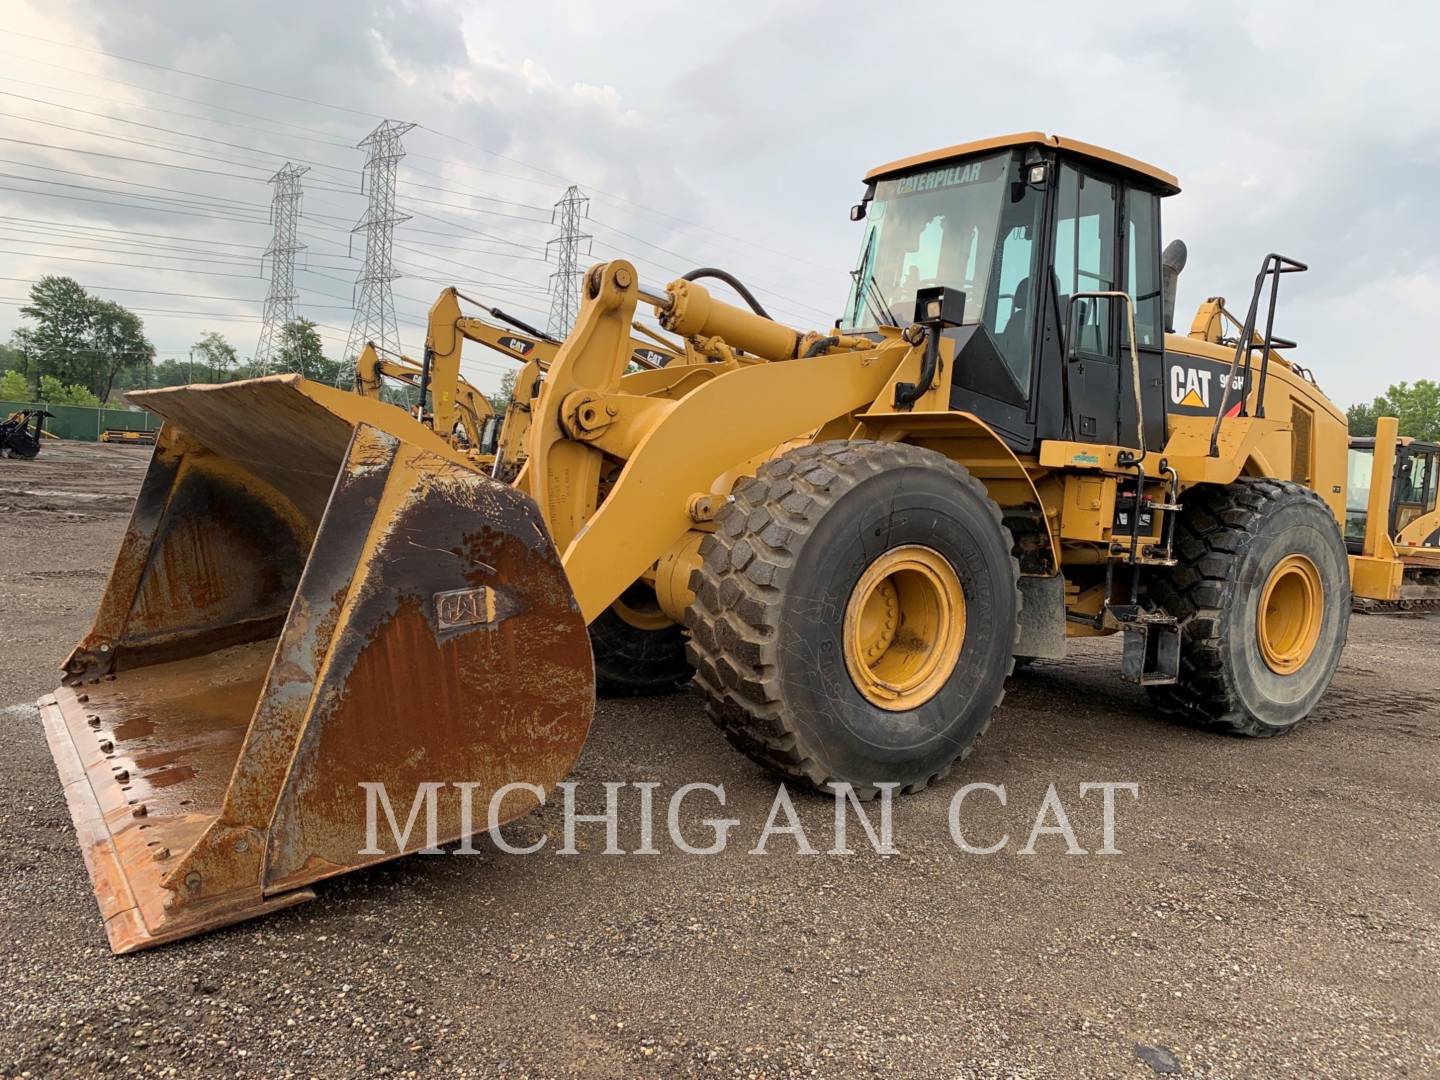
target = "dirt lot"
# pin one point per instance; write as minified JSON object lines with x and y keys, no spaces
{"x":1274,"y":911}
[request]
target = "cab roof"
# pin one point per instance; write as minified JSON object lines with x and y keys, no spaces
{"x":1167,"y":182}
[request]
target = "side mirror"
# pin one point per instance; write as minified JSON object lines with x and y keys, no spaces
{"x":857,"y":212}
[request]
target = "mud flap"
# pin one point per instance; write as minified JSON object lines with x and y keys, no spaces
{"x":270,"y":641}
{"x":1042,"y":618}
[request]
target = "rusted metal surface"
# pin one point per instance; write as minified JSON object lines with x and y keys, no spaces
{"x":502,"y":693}
{"x":242,"y":680}
{"x":148,"y":776}
{"x":210,"y":558}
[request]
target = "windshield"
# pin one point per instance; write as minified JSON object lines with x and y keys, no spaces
{"x":931,"y":228}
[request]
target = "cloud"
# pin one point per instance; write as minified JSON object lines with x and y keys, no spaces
{"x":737,"y":136}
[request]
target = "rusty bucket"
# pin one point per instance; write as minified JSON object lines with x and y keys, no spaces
{"x":315,"y":593}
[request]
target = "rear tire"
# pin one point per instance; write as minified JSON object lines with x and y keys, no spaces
{"x":639,"y":653}
{"x":788,"y":590}
{"x":1262,"y":593}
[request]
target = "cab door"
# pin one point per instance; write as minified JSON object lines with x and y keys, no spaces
{"x":1106,"y":240}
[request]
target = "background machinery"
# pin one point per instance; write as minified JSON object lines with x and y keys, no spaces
{"x":21,"y":433}
{"x":1391,"y":516}
{"x":849,"y":534}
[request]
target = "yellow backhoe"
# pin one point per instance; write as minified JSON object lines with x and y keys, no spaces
{"x":848,"y":534}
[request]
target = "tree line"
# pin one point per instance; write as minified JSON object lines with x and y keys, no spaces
{"x":1416,"y":406}
{"x":80,"y":349}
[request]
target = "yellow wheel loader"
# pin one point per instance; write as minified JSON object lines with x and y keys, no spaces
{"x":849,"y":533}
{"x":1392,"y":516}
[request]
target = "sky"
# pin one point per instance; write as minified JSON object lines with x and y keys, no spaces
{"x":137,"y":142}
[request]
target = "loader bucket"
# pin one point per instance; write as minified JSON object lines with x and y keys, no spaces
{"x":314,"y":593}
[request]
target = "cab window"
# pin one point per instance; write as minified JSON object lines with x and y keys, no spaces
{"x":1142,"y":262}
{"x":1085,"y":255}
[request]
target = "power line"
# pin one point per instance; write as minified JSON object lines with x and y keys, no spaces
{"x":312,"y":136}
{"x":75,"y":225}
{"x":150,"y":292}
{"x":28,"y":58}
{"x":160,"y":128}
{"x":191,"y":74}
{"x":434,"y":131}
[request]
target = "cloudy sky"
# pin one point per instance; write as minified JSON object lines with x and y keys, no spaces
{"x":136,"y":141}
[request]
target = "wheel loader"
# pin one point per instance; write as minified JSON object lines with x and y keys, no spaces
{"x":1391,"y":511}
{"x":847,"y":534}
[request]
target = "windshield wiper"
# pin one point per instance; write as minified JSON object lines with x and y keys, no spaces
{"x":865,"y":296}
{"x":888,"y":316}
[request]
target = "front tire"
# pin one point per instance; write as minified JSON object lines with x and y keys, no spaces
{"x":855,"y":615}
{"x":1262,"y":593}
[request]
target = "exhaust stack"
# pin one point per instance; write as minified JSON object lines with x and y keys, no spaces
{"x":1172,"y":261}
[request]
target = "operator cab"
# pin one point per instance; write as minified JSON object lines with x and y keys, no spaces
{"x":1025,"y":226}
{"x":1414,"y":494}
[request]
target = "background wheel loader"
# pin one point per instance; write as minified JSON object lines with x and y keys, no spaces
{"x":1391,"y":513}
{"x":852,"y":532}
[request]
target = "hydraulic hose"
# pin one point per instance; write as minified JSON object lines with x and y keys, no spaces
{"x":734,"y":283}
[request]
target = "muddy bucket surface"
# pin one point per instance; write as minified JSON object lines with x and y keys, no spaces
{"x":315,"y":593}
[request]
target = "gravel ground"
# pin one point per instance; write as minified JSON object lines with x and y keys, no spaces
{"x":1274,"y":909}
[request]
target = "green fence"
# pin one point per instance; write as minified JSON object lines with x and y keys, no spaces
{"x":84,"y":422}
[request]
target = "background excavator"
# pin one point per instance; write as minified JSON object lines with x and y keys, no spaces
{"x":847,"y":534}
{"x":1391,"y":511}
{"x":461,"y":413}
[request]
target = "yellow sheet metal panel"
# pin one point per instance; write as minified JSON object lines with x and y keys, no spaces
{"x":1089,"y":508}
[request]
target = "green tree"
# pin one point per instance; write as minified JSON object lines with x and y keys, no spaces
{"x":60,"y":340}
{"x":81,"y":340}
{"x":300,"y":351}
{"x":1362,"y":419}
{"x":53,"y":391}
{"x":176,"y":373}
{"x":1416,"y":406}
{"x":118,"y":343}
{"x":217,"y":356}
{"x":15,"y":387}
{"x":500,"y":399}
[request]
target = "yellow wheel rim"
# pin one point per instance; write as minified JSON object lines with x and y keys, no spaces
{"x":904,"y":627}
{"x":640,"y":609}
{"x":1292,"y":607}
